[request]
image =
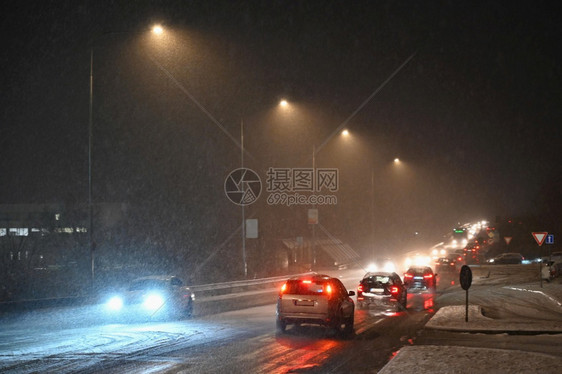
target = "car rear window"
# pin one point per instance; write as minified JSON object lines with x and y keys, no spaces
{"x":378,"y":279}
{"x":306,"y":287}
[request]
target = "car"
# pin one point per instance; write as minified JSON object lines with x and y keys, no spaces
{"x":548,"y":271}
{"x":507,"y":258}
{"x":382,"y":288}
{"x":446,"y":265}
{"x":315,"y":299}
{"x":556,"y":266}
{"x":556,"y":257}
{"x":420,"y":278}
{"x":152,"y":297}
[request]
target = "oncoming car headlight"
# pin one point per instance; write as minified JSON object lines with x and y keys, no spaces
{"x":115,"y":303}
{"x":153,"y":301}
{"x":389,"y":266}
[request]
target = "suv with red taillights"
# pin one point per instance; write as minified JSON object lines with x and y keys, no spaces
{"x":381,"y":288}
{"x":316,"y":299}
{"x":421,"y":278}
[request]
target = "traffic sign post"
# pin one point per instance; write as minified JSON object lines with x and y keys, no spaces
{"x":466,"y":281}
{"x":540,"y":238}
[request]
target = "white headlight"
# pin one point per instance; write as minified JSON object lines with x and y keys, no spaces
{"x":115,"y":303}
{"x":389,"y":267}
{"x":153,"y":301}
{"x":372,"y":267}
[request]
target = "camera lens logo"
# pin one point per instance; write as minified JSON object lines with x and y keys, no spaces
{"x":242,"y":186}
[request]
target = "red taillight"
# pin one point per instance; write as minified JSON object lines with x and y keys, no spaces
{"x":393,"y":290}
{"x":408,"y":275}
{"x":428,"y":276}
{"x":307,"y":281}
{"x":360,"y":288}
{"x":328,"y":289}
{"x":283,"y":288}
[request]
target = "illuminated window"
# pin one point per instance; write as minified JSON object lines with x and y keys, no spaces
{"x":64,"y":230}
{"x":19,"y":231}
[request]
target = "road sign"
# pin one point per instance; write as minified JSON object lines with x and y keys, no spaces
{"x":549,"y":239}
{"x":466,"y":277}
{"x":466,"y":281}
{"x":507,"y":239}
{"x":251,"y":228}
{"x":540,"y":237}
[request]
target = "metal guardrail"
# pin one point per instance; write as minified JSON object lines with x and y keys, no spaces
{"x":207,"y":292}
{"x":237,"y":286}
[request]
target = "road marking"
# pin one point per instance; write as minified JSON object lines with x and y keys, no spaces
{"x":367,"y":327}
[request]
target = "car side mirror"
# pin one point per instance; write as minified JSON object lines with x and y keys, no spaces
{"x":351,"y":293}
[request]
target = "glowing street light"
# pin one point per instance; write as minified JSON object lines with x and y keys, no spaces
{"x":283,"y":103}
{"x":345,"y":132}
{"x":396,"y":160}
{"x":157,"y":29}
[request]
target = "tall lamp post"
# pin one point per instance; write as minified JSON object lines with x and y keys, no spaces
{"x":245,"y":261}
{"x":157,"y":29}
{"x":90,"y":140}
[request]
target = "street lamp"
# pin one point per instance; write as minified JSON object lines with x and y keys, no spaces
{"x":157,"y":29}
{"x":283,"y":104}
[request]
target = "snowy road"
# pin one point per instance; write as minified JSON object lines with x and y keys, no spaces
{"x":70,"y":340}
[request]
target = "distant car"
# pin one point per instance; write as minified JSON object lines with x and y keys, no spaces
{"x":316,"y":299}
{"x":446,"y":265}
{"x":556,"y":257}
{"x":153,"y":296}
{"x":420,"y":278}
{"x":548,"y":272}
{"x":459,"y":256}
{"x":381,"y":288}
{"x":507,"y":258}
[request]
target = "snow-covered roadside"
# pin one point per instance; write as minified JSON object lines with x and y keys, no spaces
{"x":422,"y":359}
{"x":438,"y":359}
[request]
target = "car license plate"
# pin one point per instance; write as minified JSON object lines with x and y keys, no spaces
{"x":418,"y":277}
{"x":377,"y":290}
{"x":304,"y":302}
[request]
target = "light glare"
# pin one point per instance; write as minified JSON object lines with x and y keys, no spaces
{"x":157,"y":30}
{"x":115,"y":303}
{"x":153,"y":302}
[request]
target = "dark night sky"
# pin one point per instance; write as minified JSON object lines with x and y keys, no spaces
{"x":475,"y":115}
